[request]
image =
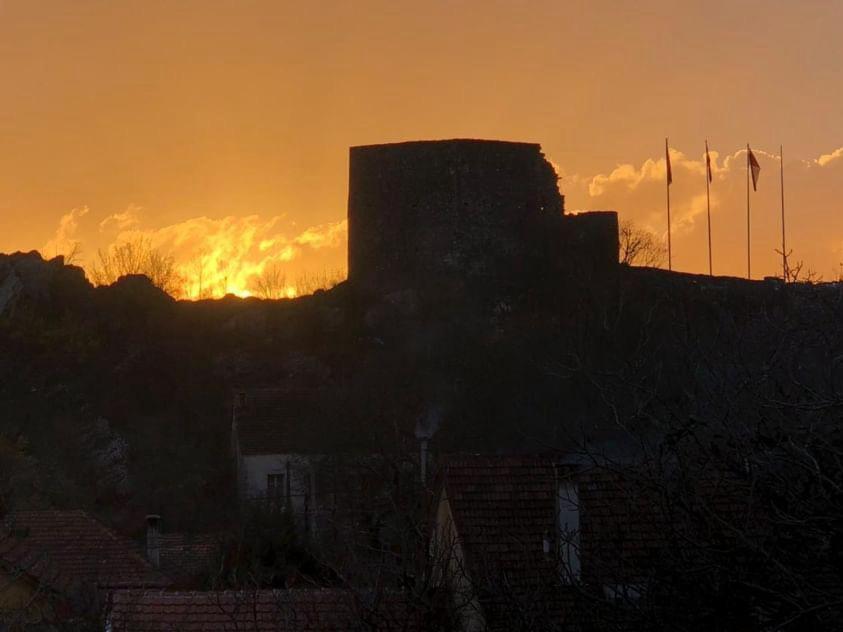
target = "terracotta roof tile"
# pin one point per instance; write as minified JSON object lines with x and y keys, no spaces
{"x":503,"y":508}
{"x":253,"y":611}
{"x":85,"y":549}
{"x":279,"y":421}
{"x":17,"y":557}
{"x":622,"y":527}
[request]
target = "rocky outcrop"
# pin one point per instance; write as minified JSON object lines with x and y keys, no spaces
{"x":28,"y":278}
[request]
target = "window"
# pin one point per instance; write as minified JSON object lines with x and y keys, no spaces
{"x":275,"y":486}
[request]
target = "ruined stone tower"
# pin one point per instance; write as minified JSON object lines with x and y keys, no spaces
{"x":430,"y":212}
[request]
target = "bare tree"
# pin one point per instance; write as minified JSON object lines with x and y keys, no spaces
{"x":73,"y":255}
{"x":272,"y":282}
{"x":797,"y":272}
{"x":639,"y":247}
{"x":734,"y":432}
{"x":308,"y":283}
{"x":136,"y":257}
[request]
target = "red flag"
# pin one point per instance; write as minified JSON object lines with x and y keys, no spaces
{"x":667,"y":162}
{"x":708,"y":162}
{"x":754,"y":167}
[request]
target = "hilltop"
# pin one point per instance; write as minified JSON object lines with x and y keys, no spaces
{"x":118,"y":398}
{"x":474,"y":305}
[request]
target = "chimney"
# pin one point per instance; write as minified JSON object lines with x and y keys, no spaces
{"x":426,"y":427}
{"x":423,"y":461}
{"x":153,"y":539}
{"x":241,"y":399}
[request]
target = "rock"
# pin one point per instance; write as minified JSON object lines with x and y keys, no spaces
{"x":10,"y":291}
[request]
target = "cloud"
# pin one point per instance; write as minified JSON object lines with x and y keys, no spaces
{"x":214,"y":256}
{"x":66,"y":238}
{"x":813,"y":200}
{"x":121,"y":221}
{"x":330,"y":235}
{"x":652,"y":170}
{"x":230,"y":254}
{"x":826,"y":159}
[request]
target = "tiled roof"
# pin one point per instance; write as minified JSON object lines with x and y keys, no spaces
{"x":622,"y":527}
{"x":634,"y":527}
{"x":253,"y":611}
{"x":279,"y":421}
{"x":85,"y":549}
{"x":185,"y":557}
{"x":503,"y":508}
{"x":631,"y":523}
{"x":17,"y":557}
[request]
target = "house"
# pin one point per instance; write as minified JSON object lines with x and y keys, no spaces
{"x":296,"y":610}
{"x":506,"y":542}
{"x":537,"y":543}
{"x":548,"y":543}
{"x":273,"y":435}
{"x":85,"y":549}
{"x":353,"y":503}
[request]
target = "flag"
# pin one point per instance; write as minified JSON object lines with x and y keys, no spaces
{"x":754,"y":167}
{"x":708,"y":162}
{"x":667,"y":162}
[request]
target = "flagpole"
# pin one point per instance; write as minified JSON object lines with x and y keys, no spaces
{"x":784,"y":252}
{"x":667,"y":181}
{"x":748,"y":261}
{"x":708,"y":204}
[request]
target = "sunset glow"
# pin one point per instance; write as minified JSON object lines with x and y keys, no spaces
{"x":453,"y":315}
{"x":225,"y":143}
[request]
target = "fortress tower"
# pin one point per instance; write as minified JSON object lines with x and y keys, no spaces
{"x":429,"y":212}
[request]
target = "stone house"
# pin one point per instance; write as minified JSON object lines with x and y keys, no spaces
{"x":273,"y":434}
{"x":354,"y":504}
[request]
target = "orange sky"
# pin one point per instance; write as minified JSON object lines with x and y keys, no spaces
{"x":220,"y":128}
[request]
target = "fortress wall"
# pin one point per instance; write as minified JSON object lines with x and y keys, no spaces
{"x":430,"y":212}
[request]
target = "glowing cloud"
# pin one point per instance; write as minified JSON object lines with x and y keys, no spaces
{"x":815,"y":221}
{"x":212,"y":257}
{"x":826,"y":159}
{"x":331,"y":235}
{"x":65,"y":240}
{"x":121,"y":221}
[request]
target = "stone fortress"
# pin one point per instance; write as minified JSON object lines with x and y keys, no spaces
{"x":424,"y":214}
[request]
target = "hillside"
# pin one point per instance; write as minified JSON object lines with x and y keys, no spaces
{"x":118,"y":398}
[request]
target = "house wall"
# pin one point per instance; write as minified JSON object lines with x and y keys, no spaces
{"x":299,"y":479}
{"x":449,"y":560}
